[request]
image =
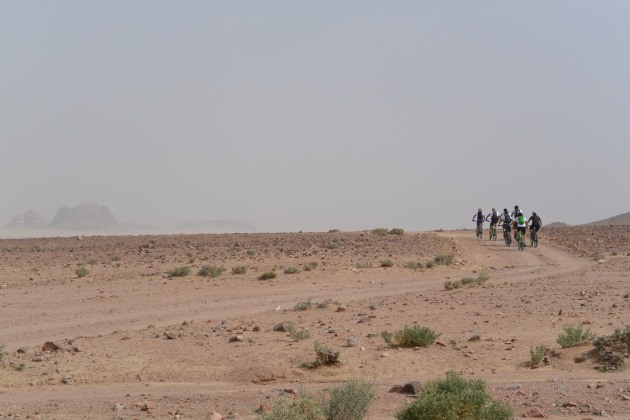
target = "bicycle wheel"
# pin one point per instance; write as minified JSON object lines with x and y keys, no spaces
{"x":535,"y":239}
{"x":521,"y":241}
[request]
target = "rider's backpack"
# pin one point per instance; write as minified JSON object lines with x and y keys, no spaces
{"x":521,"y":219}
{"x":495,"y":215}
{"x":479,"y":215}
{"x":507,"y":218}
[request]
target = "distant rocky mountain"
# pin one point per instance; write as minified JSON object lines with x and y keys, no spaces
{"x":620,"y":219}
{"x":216,"y":226}
{"x":557,"y":224}
{"x":29,"y":220}
{"x":88,"y":216}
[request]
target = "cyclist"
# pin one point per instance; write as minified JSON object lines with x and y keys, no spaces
{"x":494,"y":218}
{"x":506,"y":221}
{"x":536,"y":222}
{"x":521,"y":224}
{"x":480,"y":219}
{"x":517,"y":212}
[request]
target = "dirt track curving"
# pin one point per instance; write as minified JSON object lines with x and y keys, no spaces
{"x":112,"y":325}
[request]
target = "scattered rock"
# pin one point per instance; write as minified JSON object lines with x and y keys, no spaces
{"x":413,"y":387}
{"x":37,"y":359}
{"x":398,"y":389}
{"x":50,"y":346}
{"x":256,"y":328}
{"x":264,"y":408}
{"x":170,"y":335}
{"x":215,"y":416}
{"x":25,"y":350}
{"x":440,"y":344}
{"x":235,"y":338}
{"x":352,"y":342}
{"x":282,"y":327}
{"x":341,"y":308}
{"x":118,"y":407}
{"x":148,"y":406}
{"x":384,"y":354}
{"x":534,"y":413}
{"x":143,"y":376}
{"x":364,"y":320}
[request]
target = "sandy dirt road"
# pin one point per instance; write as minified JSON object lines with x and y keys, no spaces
{"x":112,"y":324}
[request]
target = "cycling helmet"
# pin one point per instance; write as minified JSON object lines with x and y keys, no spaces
{"x":493,"y":209}
{"x":533,"y":213}
{"x":479,"y":210}
{"x":516,"y":207}
{"x":505,"y":211}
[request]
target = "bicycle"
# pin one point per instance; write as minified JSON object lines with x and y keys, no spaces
{"x":534,"y":238}
{"x":507,"y":237}
{"x":479,"y":233}
{"x":521,"y":241}
{"x":493,"y":232}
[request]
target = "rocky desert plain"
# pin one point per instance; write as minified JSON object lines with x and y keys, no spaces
{"x":125,"y":340}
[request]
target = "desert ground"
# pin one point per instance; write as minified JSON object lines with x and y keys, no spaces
{"x":128,"y":341}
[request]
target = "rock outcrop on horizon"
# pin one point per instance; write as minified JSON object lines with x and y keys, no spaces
{"x":29,"y":220}
{"x":620,"y":219}
{"x":88,"y":216}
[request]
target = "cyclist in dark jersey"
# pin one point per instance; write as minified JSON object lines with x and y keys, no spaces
{"x":480,"y":219}
{"x":536,"y":222}
{"x":493,"y":216}
{"x":506,"y":220}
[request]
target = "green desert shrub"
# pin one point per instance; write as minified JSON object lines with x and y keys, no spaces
{"x":324,"y":355}
{"x":613,"y":349}
{"x":296,"y":334}
{"x":302,"y":306}
{"x":574,"y":335}
{"x":92,"y":261}
{"x":380,"y":231}
{"x":3,"y":352}
{"x":467,"y":281}
{"x":291,"y":270}
{"x":429,"y":264}
{"x":324,"y":304}
{"x":239,"y":269}
{"x":537,"y":354}
{"x":302,"y":408}
{"x":349,"y":401}
{"x":268,"y":275}
{"x":415,"y":336}
{"x":396,"y":231}
{"x":179,"y":272}
{"x":81,"y":272}
{"x":444,"y":259}
{"x":310,"y":266}
{"x":210,"y":270}
{"x":455,"y":398}
{"x":387,"y":263}
{"x":414,"y":265}
{"x":332,"y":245}
{"x":364,"y":265}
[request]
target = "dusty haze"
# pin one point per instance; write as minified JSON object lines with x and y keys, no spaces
{"x":291,"y":116}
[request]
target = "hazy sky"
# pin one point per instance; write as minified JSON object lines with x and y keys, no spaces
{"x":294,"y":115}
